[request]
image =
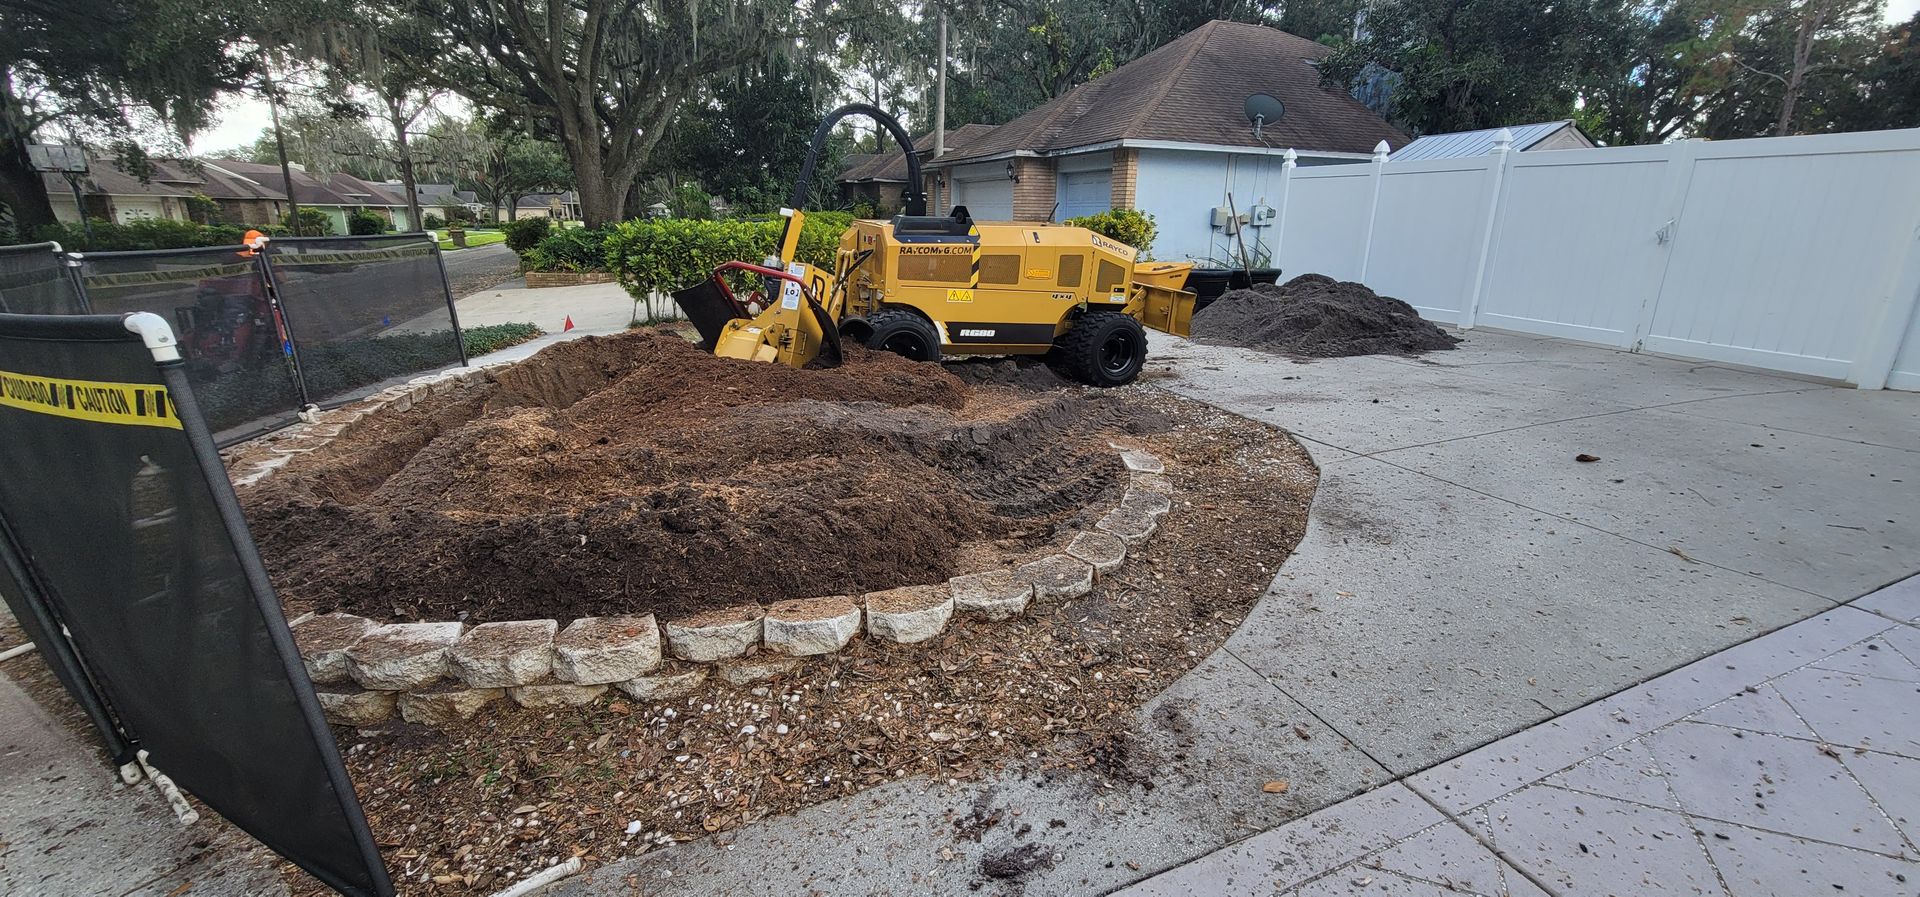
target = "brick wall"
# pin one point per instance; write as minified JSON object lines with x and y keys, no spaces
{"x":1126,"y":177}
{"x":1034,"y":194}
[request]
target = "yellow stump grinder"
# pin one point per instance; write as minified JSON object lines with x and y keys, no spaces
{"x":927,"y":286}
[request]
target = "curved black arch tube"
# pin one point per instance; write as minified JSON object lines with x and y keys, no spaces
{"x":913,"y":200}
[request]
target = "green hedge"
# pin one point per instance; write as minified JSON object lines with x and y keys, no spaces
{"x":146,"y":233}
{"x":663,"y":255}
{"x":567,"y":249}
{"x":1130,"y":226}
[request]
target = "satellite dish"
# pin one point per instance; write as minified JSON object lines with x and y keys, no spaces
{"x":1262,"y":110}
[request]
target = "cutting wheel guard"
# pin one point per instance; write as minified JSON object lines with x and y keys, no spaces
{"x":710,"y":304}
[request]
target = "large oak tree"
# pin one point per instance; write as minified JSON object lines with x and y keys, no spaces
{"x":111,"y":68}
{"x":604,"y":78}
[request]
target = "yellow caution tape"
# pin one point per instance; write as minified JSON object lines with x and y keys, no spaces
{"x":133,"y":404}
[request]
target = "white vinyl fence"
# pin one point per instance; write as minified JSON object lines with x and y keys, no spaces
{"x":1797,"y":254}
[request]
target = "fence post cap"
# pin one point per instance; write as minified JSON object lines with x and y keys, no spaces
{"x":1290,"y":156}
{"x":1502,"y":140}
{"x":155,"y":333}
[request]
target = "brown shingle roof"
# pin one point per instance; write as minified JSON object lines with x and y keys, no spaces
{"x":1193,"y":90}
{"x":892,"y":167}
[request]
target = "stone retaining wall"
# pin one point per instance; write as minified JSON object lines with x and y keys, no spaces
{"x":437,"y":673}
{"x":542,"y":279}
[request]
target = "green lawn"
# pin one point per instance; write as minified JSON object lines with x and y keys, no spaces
{"x":477,"y":238}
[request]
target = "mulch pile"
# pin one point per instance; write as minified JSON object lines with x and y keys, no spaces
{"x":636,"y":473}
{"x":1315,"y":316}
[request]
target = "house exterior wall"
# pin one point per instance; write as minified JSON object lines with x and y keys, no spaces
{"x":250,"y":211}
{"x":884,"y":196}
{"x":1181,"y":188}
{"x":1034,"y":189}
{"x":1126,"y":177}
{"x":121,"y":209}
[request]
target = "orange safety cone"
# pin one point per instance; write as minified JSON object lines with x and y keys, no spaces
{"x":568,"y":325}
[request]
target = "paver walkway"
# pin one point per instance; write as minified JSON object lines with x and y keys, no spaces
{"x":1789,"y":765}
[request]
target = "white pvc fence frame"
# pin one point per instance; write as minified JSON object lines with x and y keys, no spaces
{"x":1592,"y":237}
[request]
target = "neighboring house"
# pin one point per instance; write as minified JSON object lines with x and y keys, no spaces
{"x":117,"y":196}
{"x":1546,"y":135}
{"x":563,"y":206}
{"x":1168,"y":134}
{"x":436,"y":198}
{"x":881,"y":178}
{"x":336,"y":195}
{"x":247,"y":193}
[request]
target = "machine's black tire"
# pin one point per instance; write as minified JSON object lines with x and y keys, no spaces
{"x":903,"y":333}
{"x":1103,"y":348}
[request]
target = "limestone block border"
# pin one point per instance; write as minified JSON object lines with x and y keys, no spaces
{"x":443,"y":675}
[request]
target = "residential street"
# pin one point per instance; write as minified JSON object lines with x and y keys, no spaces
{"x":472,"y":270}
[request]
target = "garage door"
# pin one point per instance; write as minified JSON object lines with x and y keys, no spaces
{"x":1085,"y":193}
{"x":987,"y":200}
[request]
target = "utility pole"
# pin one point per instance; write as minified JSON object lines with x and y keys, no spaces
{"x":940,"y":94}
{"x":280,"y":143}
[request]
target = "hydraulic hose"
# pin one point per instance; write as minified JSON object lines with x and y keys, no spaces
{"x":913,"y":200}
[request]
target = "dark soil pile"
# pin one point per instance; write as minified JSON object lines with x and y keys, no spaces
{"x":1045,"y":700}
{"x":637,"y":473}
{"x":1318,"y":317}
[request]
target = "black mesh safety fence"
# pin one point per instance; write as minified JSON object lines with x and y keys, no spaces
{"x":364,"y":311}
{"x":216,"y":299}
{"x":114,"y":499}
{"x":35,"y":280}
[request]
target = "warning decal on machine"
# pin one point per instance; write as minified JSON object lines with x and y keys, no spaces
{"x":135,"y":404}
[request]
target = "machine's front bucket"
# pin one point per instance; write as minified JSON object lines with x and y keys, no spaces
{"x":709,"y":307}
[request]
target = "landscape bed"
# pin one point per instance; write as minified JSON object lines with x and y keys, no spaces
{"x":716,"y":482}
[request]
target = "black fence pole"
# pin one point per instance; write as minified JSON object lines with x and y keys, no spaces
{"x":459,"y":339}
{"x":52,"y":640}
{"x":200,"y":441}
{"x":73,"y":265}
{"x":292,"y":348}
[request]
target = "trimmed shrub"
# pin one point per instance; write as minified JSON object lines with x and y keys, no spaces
{"x":525,"y":233}
{"x":432,"y":221}
{"x":366,"y":223}
{"x":1130,"y":226}
{"x":663,"y":255}
{"x":313,"y":223}
{"x":570,"y":249}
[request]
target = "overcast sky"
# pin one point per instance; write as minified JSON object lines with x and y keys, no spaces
{"x":242,"y":118}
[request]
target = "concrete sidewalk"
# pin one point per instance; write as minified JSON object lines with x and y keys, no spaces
{"x":594,"y":308}
{"x":1463,"y":578}
{"x":68,"y":827}
{"x":1788,"y":765}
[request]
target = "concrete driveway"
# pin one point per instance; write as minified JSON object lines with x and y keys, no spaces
{"x":1463,"y":577}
